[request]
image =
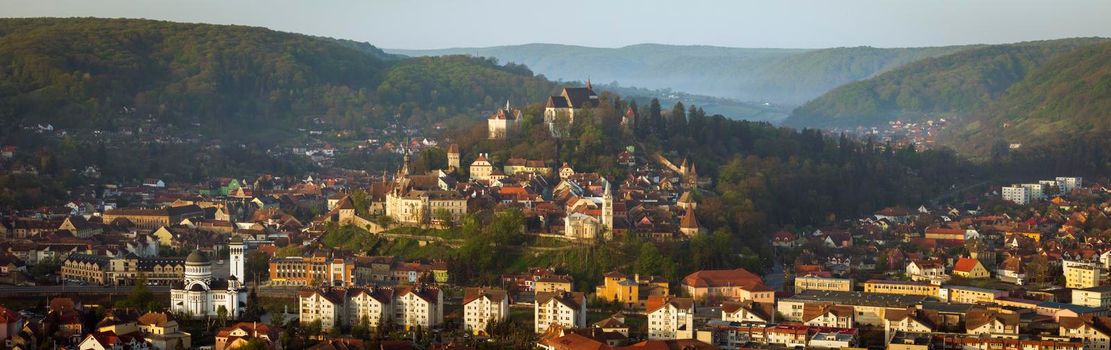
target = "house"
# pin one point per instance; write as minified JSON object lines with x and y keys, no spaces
{"x":565,"y":309}
{"x":991,"y":322}
{"x":972,"y":295}
{"x":237,"y":335}
{"x":748,"y":312}
{"x":970,"y":268}
{"x":10,"y":325}
{"x":727,"y":285}
{"x":551,"y":283}
{"x":162,"y":331}
{"x":325,"y":306}
{"x":483,"y":308}
{"x":109,"y":340}
{"x":910,"y":320}
{"x":828,"y":315}
{"x":1012,"y":271}
{"x":932,"y":271}
{"x":1095,"y":332}
{"x":670,"y":318}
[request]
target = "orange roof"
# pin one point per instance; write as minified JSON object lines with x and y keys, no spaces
{"x":965,"y":264}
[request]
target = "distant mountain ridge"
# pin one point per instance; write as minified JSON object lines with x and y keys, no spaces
{"x":779,"y":76}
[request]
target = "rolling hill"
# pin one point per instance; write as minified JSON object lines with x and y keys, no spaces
{"x":82,"y":72}
{"x":778,"y":76}
{"x":1066,"y":99}
{"x":952,"y":85}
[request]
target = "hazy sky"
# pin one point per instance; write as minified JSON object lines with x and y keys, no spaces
{"x":412,"y":24}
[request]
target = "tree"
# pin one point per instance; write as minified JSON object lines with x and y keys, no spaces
{"x":277,"y":318}
{"x":1037,"y":269}
{"x":222,"y":315}
{"x":139,"y":296}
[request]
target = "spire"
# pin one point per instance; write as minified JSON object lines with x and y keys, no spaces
{"x":507,"y":105}
{"x":588,"y":87}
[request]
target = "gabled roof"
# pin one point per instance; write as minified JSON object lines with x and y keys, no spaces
{"x":657,"y":302}
{"x":965,"y":265}
{"x":494,"y":294}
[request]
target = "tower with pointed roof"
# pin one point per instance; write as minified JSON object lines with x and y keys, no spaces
{"x":607,"y":209}
{"x":689,"y":225}
{"x":453,"y":157}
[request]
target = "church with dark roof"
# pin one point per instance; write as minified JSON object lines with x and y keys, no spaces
{"x":561,"y":109}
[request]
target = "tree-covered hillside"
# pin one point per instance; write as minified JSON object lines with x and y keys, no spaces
{"x":951,"y":85}
{"x":779,"y":76}
{"x":81,"y":73}
{"x":1066,"y":100}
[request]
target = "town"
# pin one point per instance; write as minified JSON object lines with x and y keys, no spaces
{"x":351,"y":260}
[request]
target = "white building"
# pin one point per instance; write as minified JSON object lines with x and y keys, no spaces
{"x":565,"y":309}
{"x":484,"y":307}
{"x":670,"y":318}
{"x":406,"y":306}
{"x":1036,"y":191}
{"x":201,"y":295}
{"x":1067,"y":184}
{"x":418,"y":306}
{"x":503,"y":123}
{"x":1097,"y":297}
{"x":1017,"y":194}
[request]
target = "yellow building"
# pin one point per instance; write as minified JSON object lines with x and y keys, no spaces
{"x":970,"y":268}
{"x":554,"y":283}
{"x":901,"y":287}
{"x":973,"y":295}
{"x":630,"y":291}
{"x":823,"y":283}
{"x":1081,"y":276}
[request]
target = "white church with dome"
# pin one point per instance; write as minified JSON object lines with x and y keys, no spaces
{"x":200,"y":295}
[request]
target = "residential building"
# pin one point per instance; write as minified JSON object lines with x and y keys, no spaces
{"x":418,"y":306}
{"x":526,"y":166}
{"x":931,"y":271}
{"x":670,"y":318}
{"x":1067,"y":184}
{"x":322,"y":305}
{"x":483,"y":308}
{"x":1016,"y":194}
{"x":1080,"y":275}
{"x":552,"y":283}
{"x":1099,"y":297}
{"x":828,"y":315}
{"x":869,"y":309}
{"x":1095,"y":332}
{"x":162,"y":331}
{"x":239,"y":334}
{"x":481,"y":168}
{"x":566,"y":309}
{"x":155,"y":218}
{"x":970,"y":268}
{"x":991,"y":322}
{"x":748,"y":312}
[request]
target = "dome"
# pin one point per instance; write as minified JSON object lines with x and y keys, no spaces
{"x":196,"y":258}
{"x":236,"y":239}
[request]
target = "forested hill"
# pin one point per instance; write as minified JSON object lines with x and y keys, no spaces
{"x":101,"y":73}
{"x":1063,"y":105}
{"x":779,"y":76}
{"x":947,"y":86}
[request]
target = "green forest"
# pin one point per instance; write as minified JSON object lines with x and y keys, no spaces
{"x":947,"y":86}
{"x":81,"y":73}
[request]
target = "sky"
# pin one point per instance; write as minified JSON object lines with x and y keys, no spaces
{"x":429,"y":24}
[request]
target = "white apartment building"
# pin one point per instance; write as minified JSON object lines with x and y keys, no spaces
{"x":483,"y":307}
{"x":670,"y":318}
{"x":1016,"y":194}
{"x":565,"y":309}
